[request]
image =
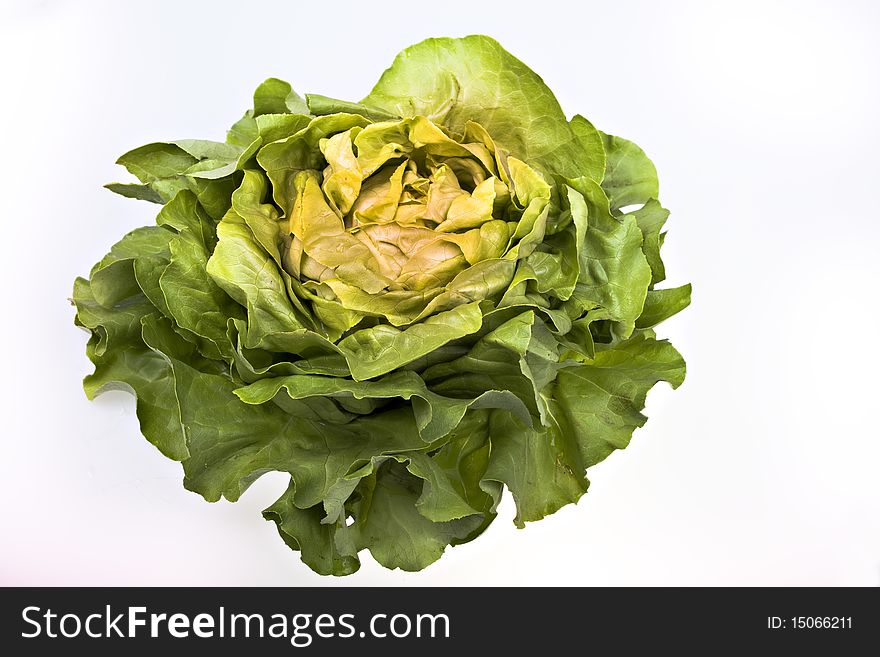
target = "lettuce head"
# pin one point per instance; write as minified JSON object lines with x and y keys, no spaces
{"x":406,"y":304}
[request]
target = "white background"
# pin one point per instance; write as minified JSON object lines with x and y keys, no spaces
{"x":762,"y":119}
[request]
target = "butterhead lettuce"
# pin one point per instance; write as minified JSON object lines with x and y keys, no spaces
{"x":405,"y":303}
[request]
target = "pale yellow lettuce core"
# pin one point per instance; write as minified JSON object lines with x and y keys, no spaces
{"x":404,"y":221}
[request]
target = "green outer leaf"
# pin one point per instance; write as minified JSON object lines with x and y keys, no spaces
{"x":602,"y":399}
{"x":454,"y":485}
{"x":241,"y":267}
{"x":165,"y":169}
{"x":113,"y":279}
{"x":209,"y":150}
{"x":142,"y":192}
{"x":663,"y":304}
{"x":614,"y":271}
{"x":155,"y":162}
{"x":301,"y":529}
{"x":320,"y":105}
{"x":375,"y":351}
{"x":192,"y":299}
{"x":275,"y":105}
{"x":542,"y":468}
{"x":453,"y":81}
{"x":389,"y":524}
{"x":244,"y":131}
{"x":435,"y":415}
{"x":273,"y":127}
{"x":276,"y":96}
{"x":520,"y":355}
{"x":650,"y":218}
{"x":594,"y":409}
{"x":267,"y":227}
{"x":129,"y":365}
{"x":630,"y":177}
{"x":594,"y":148}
